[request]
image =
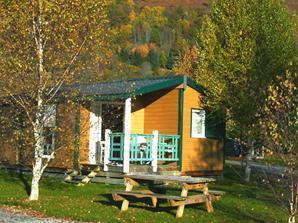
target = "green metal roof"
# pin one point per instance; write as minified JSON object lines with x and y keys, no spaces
{"x":132,"y":87}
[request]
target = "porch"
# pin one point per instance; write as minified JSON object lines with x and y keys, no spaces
{"x":117,"y":140}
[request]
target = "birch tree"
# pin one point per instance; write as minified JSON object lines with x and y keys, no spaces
{"x":44,"y":45}
{"x":279,"y":121}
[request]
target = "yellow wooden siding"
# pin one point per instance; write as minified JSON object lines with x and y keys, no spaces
{"x":66,"y":114}
{"x":161,"y":112}
{"x":198,"y":154}
{"x":10,"y":148}
{"x":64,"y":139}
{"x":84,"y":133}
{"x":8,"y":145}
{"x":137,"y":116}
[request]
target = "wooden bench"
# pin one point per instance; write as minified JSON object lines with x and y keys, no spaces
{"x":199,"y":198}
{"x":216,"y":194}
{"x":120,"y":196}
{"x":173,"y":200}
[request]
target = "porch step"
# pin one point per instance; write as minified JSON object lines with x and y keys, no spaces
{"x":95,"y":174}
{"x":86,"y":168}
{"x":167,"y":166}
{"x":170,"y":173}
{"x":70,"y":175}
{"x":133,"y":168}
{"x":108,"y":180}
{"x":114,"y":168}
{"x":86,"y":173}
{"x":110,"y":174}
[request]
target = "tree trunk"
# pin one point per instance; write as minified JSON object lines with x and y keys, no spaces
{"x":36,"y":175}
{"x":247,"y":167}
{"x":291,"y":219}
{"x":38,"y":166}
{"x":38,"y":123}
{"x":293,"y":188}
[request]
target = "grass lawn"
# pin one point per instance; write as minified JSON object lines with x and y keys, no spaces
{"x":242,"y":202}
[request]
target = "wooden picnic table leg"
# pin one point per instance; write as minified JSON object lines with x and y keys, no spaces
{"x":125,"y":202}
{"x":180,"y":209}
{"x":208,"y":202}
{"x":153,"y":199}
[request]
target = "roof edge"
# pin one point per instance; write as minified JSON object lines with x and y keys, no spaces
{"x":159,"y":86}
{"x":196,"y":86}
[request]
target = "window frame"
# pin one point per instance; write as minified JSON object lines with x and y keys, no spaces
{"x":192,"y":134}
{"x":51,"y":126}
{"x":49,"y":111}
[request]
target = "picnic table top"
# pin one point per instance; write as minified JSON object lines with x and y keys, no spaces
{"x":176,"y":179}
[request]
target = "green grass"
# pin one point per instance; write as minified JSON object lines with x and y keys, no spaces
{"x":242,"y":202}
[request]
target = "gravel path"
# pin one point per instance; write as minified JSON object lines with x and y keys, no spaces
{"x":17,"y":216}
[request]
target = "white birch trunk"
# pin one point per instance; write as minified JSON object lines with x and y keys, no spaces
{"x":247,"y":171}
{"x":38,"y":166}
{"x":36,"y":175}
{"x":291,"y":219}
{"x":293,"y":199}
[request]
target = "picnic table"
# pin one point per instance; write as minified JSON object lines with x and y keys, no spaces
{"x":186,"y":183}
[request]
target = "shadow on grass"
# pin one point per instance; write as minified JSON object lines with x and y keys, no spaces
{"x":145,"y":204}
{"x":138,"y":203}
{"x":24,"y":181}
{"x":19,"y":177}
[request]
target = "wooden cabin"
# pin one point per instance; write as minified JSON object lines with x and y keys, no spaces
{"x":154,"y":122}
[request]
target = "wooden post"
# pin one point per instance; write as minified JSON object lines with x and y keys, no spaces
{"x":127,"y":131}
{"x":107,"y":149}
{"x":154,"y":150}
{"x":208,"y":202}
{"x":125,"y":202}
{"x":180,"y":209}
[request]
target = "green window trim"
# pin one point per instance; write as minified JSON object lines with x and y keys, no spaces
{"x":77,"y":134}
{"x":180,"y":125}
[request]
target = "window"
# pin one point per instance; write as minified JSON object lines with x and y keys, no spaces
{"x":49,"y":129}
{"x":49,"y":117}
{"x":198,"y":117}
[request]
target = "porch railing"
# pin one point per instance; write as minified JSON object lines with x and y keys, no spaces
{"x":116,"y":146}
{"x":141,"y":147}
{"x":168,"y":147}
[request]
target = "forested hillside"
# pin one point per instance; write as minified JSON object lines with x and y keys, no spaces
{"x":174,"y":3}
{"x":150,"y":36}
{"x":291,"y":4}
{"x":148,"y":39}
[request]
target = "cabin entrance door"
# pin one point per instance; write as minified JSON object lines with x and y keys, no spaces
{"x":103,"y":115}
{"x":95,"y":132}
{"x":112,"y":117}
